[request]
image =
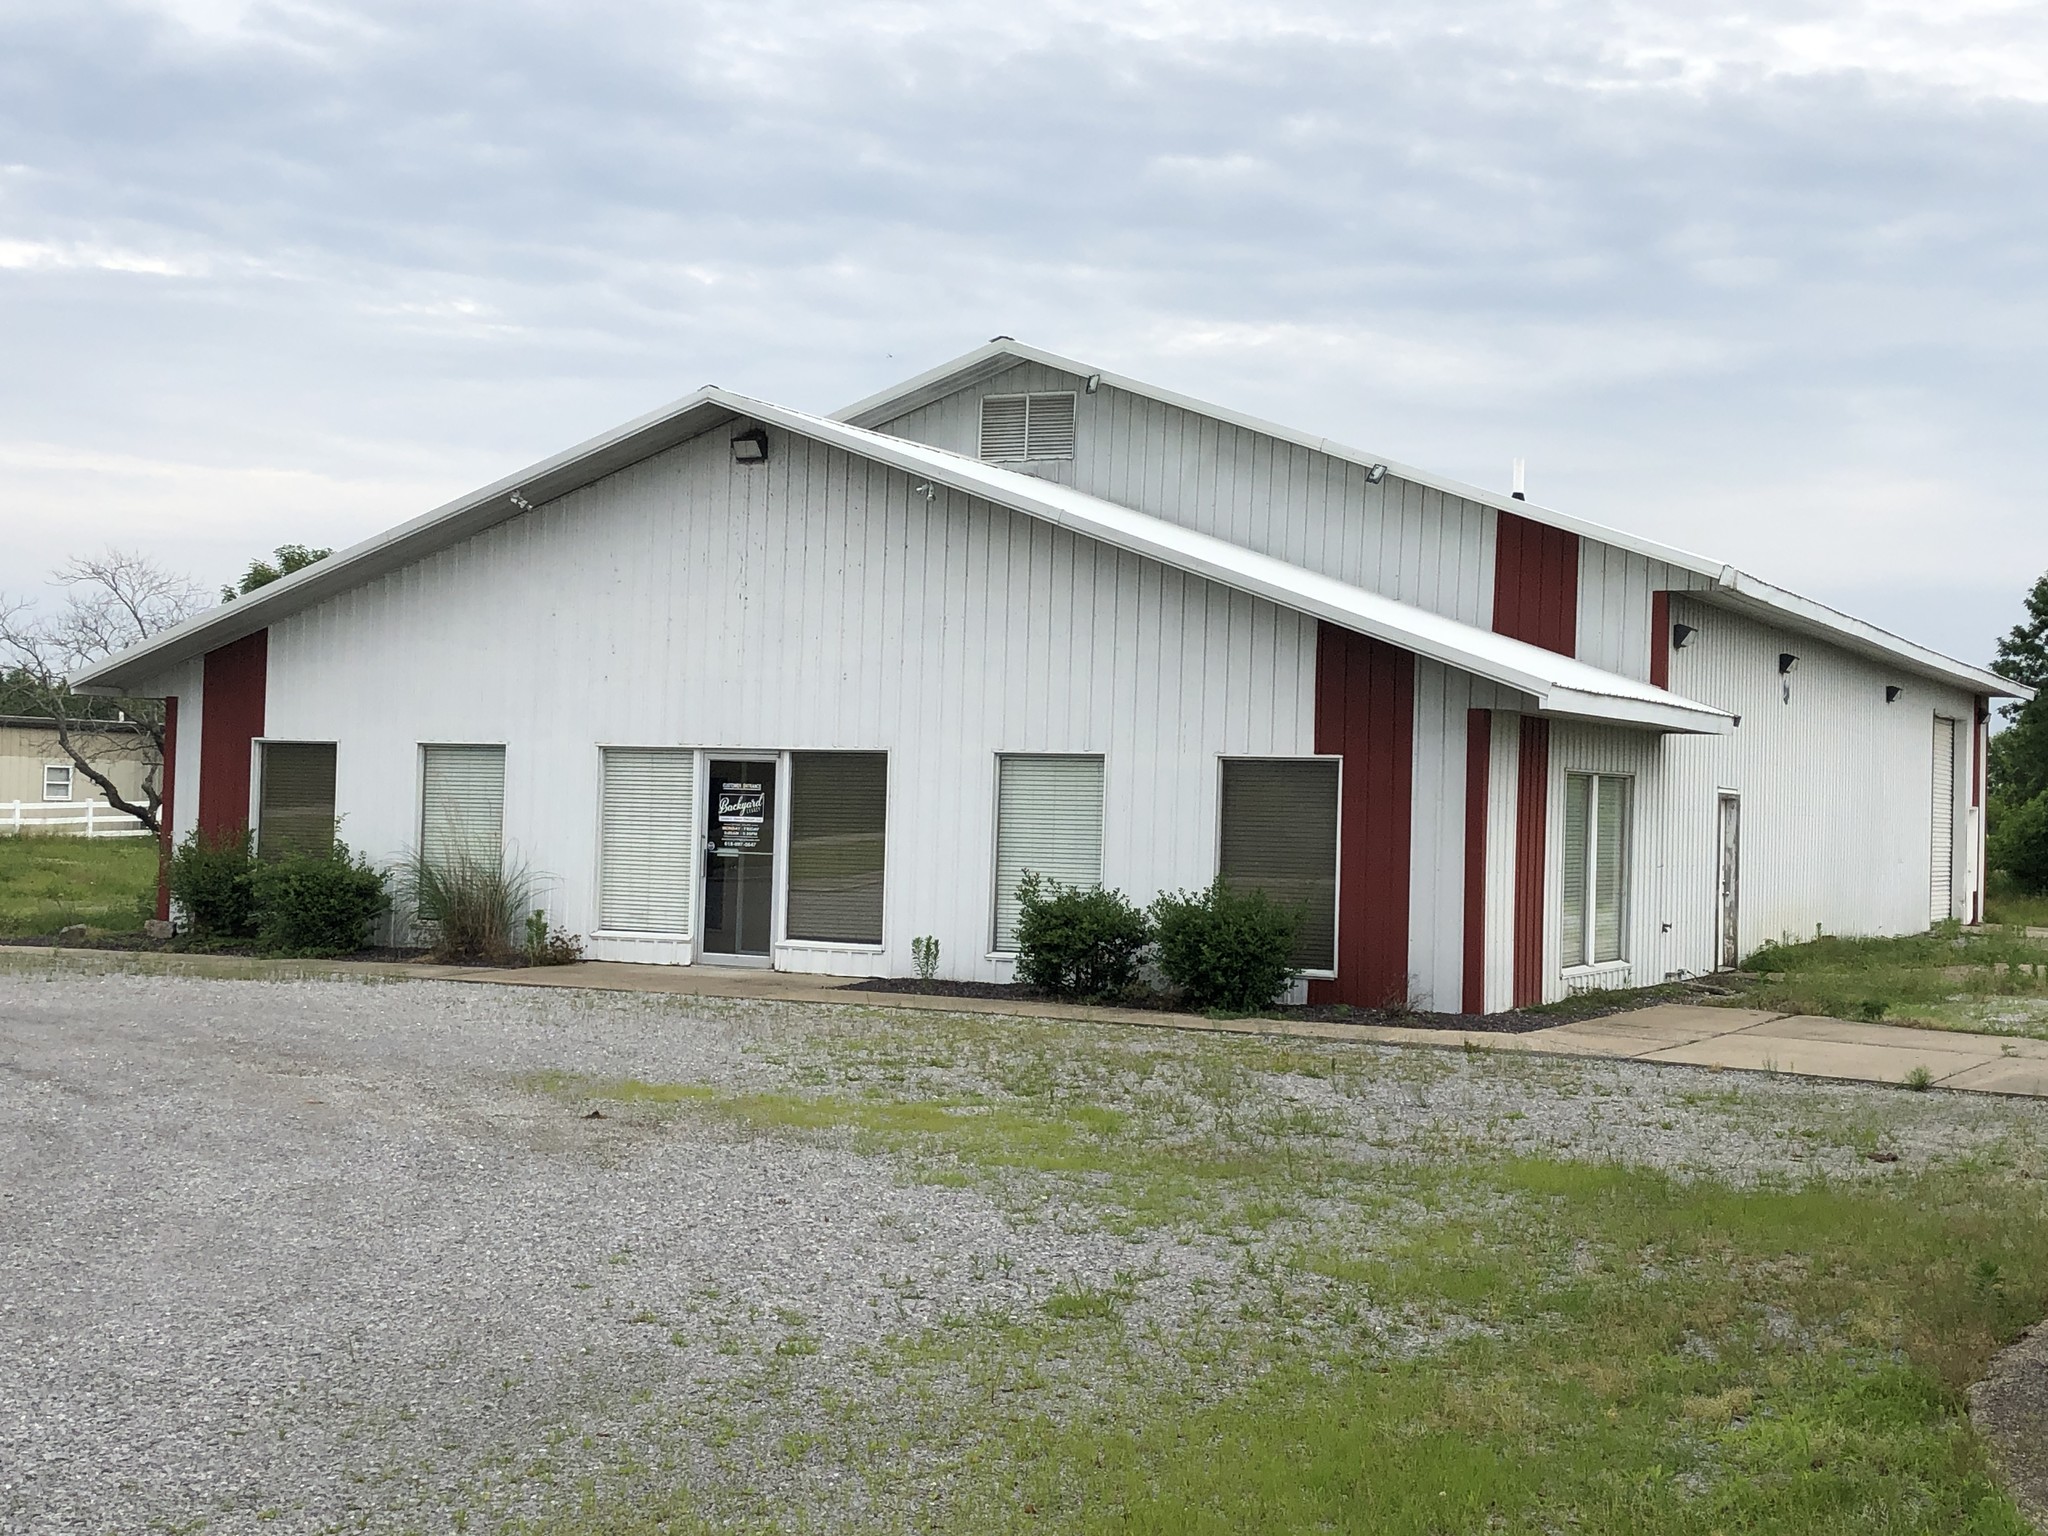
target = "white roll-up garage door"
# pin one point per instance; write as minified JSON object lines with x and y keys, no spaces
{"x":1048,"y":821}
{"x":648,"y":839}
{"x":1941,"y":904}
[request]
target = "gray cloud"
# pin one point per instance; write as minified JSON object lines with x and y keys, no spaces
{"x":1769,"y":288}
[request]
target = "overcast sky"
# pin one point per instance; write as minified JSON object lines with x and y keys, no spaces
{"x":1769,"y":287}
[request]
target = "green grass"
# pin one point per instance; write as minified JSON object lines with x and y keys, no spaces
{"x":1444,"y":1341}
{"x":47,"y":883}
{"x":1992,"y":980}
{"x":2003,"y":904}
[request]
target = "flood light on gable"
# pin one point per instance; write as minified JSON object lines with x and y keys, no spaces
{"x":750,"y":447}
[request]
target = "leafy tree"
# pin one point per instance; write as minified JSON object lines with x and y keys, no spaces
{"x":2018,"y":761}
{"x":261,"y":573}
{"x":112,"y":601}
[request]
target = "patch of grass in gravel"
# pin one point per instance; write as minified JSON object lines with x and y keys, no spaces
{"x":1449,"y":1340}
{"x":1991,"y":980}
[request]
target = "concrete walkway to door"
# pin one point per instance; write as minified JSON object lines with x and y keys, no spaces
{"x":1737,"y":1039}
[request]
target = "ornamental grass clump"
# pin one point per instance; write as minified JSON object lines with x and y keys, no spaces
{"x":1080,"y":944}
{"x":1229,"y":949}
{"x":469,"y":904}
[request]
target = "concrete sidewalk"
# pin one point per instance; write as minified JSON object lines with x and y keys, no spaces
{"x":1738,"y":1039}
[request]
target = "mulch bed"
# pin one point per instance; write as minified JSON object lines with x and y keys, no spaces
{"x":1513,"y":1023}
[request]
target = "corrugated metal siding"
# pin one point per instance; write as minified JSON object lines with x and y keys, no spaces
{"x":1443,"y":698}
{"x":1411,"y":543}
{"x":814,"y":601}
{"x":1616,"y":603}
{"x":1536,"y":583}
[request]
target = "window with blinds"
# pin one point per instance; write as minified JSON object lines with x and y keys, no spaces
{"x":647,"y":841}
{"x":838,"y":822}
{"x":1278,"y":834}
{"x":1048,"y":822}
{"x":295,"y":805}
{"x":1027,"y":426}
{"x":462,"y":805}
{"x":1597,"y":827}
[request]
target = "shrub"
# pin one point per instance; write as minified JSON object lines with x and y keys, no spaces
{"x":2019,"y":844}
{"x":924,"y":954}
{"x":550,"y":946}
{"x":467,"y":904}
{"x":1078,"y":944}
{"x":213,"y":880}
{"x":318,"y":903}
{"x":1226,"y":948}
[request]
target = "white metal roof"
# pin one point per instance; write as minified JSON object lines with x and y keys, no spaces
{"x":1727,"y":587}
{"x":1556,"y":684}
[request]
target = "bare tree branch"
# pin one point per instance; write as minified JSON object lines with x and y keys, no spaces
{"x":113,"y":601}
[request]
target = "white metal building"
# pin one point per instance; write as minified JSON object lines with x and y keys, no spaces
{"x":756,"y":686}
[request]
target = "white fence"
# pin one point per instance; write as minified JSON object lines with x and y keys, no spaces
{"x":78,"y":818}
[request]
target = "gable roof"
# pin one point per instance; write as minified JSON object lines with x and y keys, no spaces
{"x":1557,"y":684}
{"x":1726,"y":585}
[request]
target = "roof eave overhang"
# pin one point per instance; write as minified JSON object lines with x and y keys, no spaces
{"x":1724,"y":583}
{"x":1742,"y":593}
{"x":445,"y":525}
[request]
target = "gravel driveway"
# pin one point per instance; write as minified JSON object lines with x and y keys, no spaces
{"x":313,"y":1255}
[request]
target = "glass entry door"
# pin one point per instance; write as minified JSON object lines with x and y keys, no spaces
{"x":739,"y":857}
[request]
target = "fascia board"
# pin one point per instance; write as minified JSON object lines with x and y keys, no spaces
{"x":450,"y":523}
{"x":1772,"y":604}
{"x":1723,"y":579}
{"x":1512,"y":663}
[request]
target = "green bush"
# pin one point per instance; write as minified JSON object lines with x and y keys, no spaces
{"x":1078,"y":944}
{"x":1226,"y":948}
{"x":2019,"y":844}
{"x":470,"y":905}
{"x":318,"y":903}
{"x":213,"y":880}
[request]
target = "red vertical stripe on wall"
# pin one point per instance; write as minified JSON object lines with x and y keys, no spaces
{"x":1365,"y":712}
{"x":230,"y":716}
{"x":1532,"y":817}
{"x":1478,"y":783}
{"x":163,"y":810}
{"x":1660,"y":639}
{"x":1536,"y":584}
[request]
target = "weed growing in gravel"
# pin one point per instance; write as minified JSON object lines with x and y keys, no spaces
{"x":1443,"y":1339}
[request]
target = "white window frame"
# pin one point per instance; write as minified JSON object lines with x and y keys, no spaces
{"x":1216,"y":859}
{"x":995,"y":841}
{"x":70,"y":772}
{"x":1027,"y":456}
{"x":1583,"y":964}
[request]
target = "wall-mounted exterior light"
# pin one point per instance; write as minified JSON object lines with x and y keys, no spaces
{"x":1681,"y":636}
{"x":750,"y":447}
{"x":1787,"y":663}
{"x":520,"y":502}
{"x":1092,"y":383}
{"x":1376,"y":474}
{"x":1892,"y":692}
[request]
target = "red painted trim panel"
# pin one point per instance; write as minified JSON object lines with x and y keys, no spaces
{"x":1536,"y":584}
{"x":231,"y":717}
{"x":1660,"y":639}
{"x":1478,"y":782}
{"x":1532,"y":816}
{"x":1365,"y":712}
{"x":164,"y":809}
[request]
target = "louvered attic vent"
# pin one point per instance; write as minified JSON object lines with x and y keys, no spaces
{"x":1027,"y":426}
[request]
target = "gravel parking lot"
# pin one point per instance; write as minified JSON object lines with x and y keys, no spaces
{"x":324,"y":1254}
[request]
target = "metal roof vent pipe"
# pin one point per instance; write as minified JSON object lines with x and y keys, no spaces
{"x":1519,"y":479}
